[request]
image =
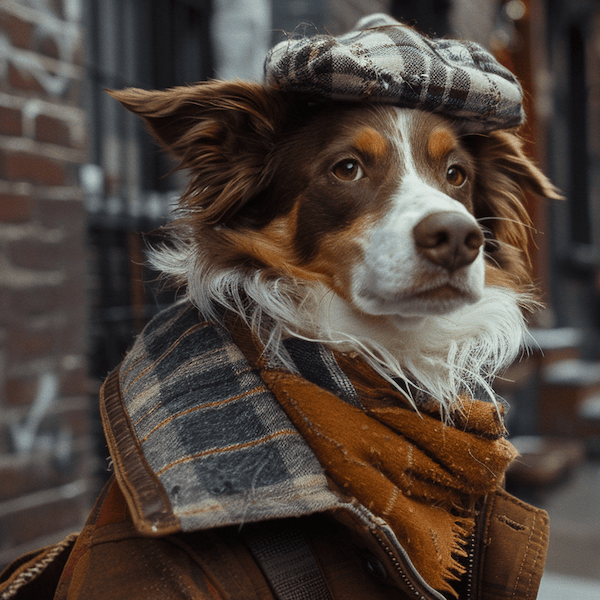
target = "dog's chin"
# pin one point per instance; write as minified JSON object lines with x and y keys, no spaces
{"x":419,"y":291}
{"x":439,"y":300}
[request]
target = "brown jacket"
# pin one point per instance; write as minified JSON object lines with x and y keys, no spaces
{"x":216,"y":496}
{"x":339,"y":555}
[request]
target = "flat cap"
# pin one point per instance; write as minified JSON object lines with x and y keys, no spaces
{"x":383,"y":61}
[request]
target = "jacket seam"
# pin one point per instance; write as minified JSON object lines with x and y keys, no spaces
{"x":525,"y":556}
{"x":131,"y":465}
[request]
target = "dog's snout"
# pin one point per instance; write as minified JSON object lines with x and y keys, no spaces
{"x":448,"y":239}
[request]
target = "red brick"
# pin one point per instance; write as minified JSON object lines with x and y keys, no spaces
{"x":69,"y":296}
{"x":39,"y":170}
{"x":20,"y":391}
{"x":48,"y":47}
{"x":14,"y":208}
{"x":73,"y":336}
{"x":37,"y":255}
{"x":30,"y":339}
{"x":79,"y":52}
{"x":20,"y":479}
{"x":72,"y":297}
{"x":51,"y":130}
{"x":5,"y":316}
{"x":72,"y":339}
{"x":75,"y":383}
{"x":57,"y":7}
{"x":41,"y":471}
{"x":27,"y":525}
{"x":20,"y":32}
{"x":77,"y":423}
{"x":25,"y":343}
{"x":37,"y":474}
{"x":10,"y":121}
{"x":30,"y":336}
{"x":12,"y":482}
{"x":73,"y":94}
{"x":6,"y":446}
{"x":54,"y":214}
{"x":24,"y":81}
{"x":28,"y":302}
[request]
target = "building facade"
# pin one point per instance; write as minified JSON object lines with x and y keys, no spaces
{"x":45,"y":439}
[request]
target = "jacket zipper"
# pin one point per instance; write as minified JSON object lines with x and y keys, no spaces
{"x":473,"y":553}
{"x":414,"y":588}
{"x":470,"y":568}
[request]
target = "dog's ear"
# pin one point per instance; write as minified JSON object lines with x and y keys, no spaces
{"x":222,"y":132}
{"x":504,"y":150}
{"x":505,"y":175}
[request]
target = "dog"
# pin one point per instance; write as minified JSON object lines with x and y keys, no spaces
{"x":357,"y":221}
{"x":390,"y":232}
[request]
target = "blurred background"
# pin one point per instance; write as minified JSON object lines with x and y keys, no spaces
{"x":82,"y":188}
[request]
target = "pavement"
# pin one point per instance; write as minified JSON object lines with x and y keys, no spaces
{"x":563,"y":587}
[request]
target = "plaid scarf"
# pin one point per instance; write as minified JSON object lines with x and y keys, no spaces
{"x":384,"y":61}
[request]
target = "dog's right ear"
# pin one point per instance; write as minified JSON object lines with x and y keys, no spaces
{"x":222,"y":132}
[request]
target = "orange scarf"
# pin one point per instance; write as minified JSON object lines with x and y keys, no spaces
{"x":421,"y":476}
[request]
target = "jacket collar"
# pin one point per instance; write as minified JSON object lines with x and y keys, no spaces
{"x":197,"y":439}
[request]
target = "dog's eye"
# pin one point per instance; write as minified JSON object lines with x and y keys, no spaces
{"x":348,"y":170}
{"x":456,"y":175}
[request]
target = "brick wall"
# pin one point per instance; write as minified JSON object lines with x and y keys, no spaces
{"x":45,"y":445}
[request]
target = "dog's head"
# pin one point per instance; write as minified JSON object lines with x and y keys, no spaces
{"x":396,"y":210}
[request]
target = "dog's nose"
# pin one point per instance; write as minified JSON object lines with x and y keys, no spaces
{"x":448,"y":239}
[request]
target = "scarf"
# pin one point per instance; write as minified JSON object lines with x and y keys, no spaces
{"x":420,"y":475}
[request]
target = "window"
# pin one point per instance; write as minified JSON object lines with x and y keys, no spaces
{"x":151,"y":44}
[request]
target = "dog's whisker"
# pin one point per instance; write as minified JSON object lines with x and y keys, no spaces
{"x":491,"y":259}
{"x":502,"y":244}
{"x":506,"y":219}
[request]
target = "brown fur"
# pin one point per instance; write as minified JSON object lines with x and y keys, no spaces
{"x":252,"y":156}
{"x":504,"y":175}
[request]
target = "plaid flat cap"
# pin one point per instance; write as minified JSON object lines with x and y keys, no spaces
{"x":382,"y":60}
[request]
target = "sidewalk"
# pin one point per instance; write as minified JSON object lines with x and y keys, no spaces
{"x":562,"y":587}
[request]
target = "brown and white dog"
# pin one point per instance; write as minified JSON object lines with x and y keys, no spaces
{"x":386,"y":231}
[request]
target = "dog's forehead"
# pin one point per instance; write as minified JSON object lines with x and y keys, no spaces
{"x":375,"y":131}
{"x":426,"y":132}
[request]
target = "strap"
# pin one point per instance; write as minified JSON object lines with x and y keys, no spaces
{"x":286,"y":560}
{"x":36,"y":575}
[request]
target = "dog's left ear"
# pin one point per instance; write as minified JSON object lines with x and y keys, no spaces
{"x":504,"y":175}
{"x":504,"y":150}
{"x":222,"y":132}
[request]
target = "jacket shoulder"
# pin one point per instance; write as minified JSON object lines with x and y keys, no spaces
{"x":513,"y":541}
